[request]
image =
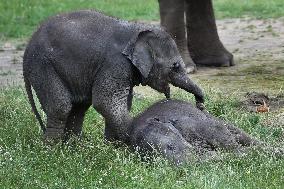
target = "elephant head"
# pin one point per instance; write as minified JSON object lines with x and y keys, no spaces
{"x":155,"y":54}
{"x":155,"y":135}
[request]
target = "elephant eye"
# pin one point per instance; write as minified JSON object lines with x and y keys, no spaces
{"x":171,"y":147}
{"x":176,"y":66}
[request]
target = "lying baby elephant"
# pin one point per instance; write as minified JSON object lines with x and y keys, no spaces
{"x":85,"y":58}
{"x":179,"y":131}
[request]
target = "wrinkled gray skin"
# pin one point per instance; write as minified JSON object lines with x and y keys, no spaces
{"x":181,"y":132}
{"x":192,"y":25}
{"x":85,"y":58}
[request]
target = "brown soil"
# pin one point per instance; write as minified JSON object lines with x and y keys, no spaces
{"x":258,"y":47}
{"x":260,"y":102}
{"x":11,"y":58}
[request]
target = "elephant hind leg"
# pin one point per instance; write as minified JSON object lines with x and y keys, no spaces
{"x":75,"y":121}
{"x":57,"y":117}
{"x":55,"y":99}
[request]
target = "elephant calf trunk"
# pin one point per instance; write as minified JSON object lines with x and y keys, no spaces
{"x":182,"y":81}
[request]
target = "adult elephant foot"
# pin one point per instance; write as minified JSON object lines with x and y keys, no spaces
{"x":190,"y":66}
{"x":204,"y":44}
{"x":211,"y":54}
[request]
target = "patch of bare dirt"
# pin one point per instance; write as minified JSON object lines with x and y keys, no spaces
{"x":257,"y":45}
{"x":260,"y":102}
{"x":11,"y":58}
{"x":258,"y":48}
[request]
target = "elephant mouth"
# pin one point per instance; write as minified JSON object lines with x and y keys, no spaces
{"x":161,"y":87}
{"x":168,"y":92}
{"x":165,"y":89}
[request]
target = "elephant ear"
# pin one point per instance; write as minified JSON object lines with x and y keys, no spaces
{"x":140,"y":53}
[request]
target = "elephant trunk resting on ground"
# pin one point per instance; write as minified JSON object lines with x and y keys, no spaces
{"x":85,"y":58}
{"x":181,"y":132}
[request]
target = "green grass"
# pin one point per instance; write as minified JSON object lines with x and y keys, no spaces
{"x":26,"y":163}
{"x":252,"y":8}
{"x":19,"y":18}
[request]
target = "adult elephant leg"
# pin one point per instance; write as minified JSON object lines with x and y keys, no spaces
{"x":172,"y":18}
{"x":203,"y":41}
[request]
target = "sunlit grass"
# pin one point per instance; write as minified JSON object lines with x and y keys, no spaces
{"x":253,"y":8}
{"x":19,"y":18}
{"x":92,"y":163}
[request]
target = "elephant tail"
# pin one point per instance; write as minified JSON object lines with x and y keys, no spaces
{"x":32,"y":102}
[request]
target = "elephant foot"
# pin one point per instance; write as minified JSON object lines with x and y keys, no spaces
{"x":223,"y":60}
{"x":53,"y":136}
{"x":189,"y":63}
{"x":210,"y":54}
{"x":190,"y":69}
{"x":109,"y":137}
{"x":116,"y":142}
{"x":204,"y":44}
{"x":116,"y":138}
{"x":70,"y":137}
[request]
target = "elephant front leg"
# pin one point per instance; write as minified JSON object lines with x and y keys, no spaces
{"x":204,"y":43}
{"x":116,"y":127}
{"x":172,"y":18}
{"x":113,"y":105}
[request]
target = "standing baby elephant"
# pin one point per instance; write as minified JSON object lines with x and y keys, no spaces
{"x":85,"y":58}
